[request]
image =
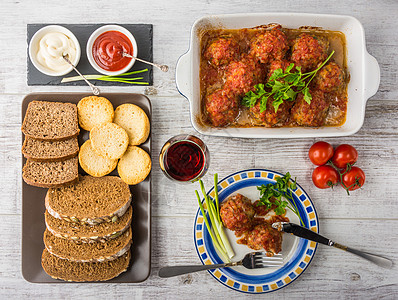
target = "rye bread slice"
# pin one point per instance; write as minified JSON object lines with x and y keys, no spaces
{"x":86,"y":233}
{"x":50,"y":150}
{"x":87,"y":252}
{"x":51,"y":174}
{"x":64,"y":269}
{"x":93,"y":200}
{"x":50,"y":121}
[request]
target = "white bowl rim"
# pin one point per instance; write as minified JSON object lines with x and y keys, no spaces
{"x":98,"y":32}
{"x":54,"y":28}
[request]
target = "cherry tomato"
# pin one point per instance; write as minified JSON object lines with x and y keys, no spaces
{"x":343,"y":155}
{"x":320,"y":153}
{"x":325,"y":176}
{"x":354,"y":179}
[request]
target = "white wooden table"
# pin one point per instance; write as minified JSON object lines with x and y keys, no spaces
{"x":367,"y":219}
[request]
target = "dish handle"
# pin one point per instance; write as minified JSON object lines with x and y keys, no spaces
{"x":183,"y":75}
{"x":372,"y":76}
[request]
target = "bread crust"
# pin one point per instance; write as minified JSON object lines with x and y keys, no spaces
{"x":134,"y":166}
{"x":94,"y":111}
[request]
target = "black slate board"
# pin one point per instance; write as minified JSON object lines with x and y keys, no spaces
{"x":142,"y":33}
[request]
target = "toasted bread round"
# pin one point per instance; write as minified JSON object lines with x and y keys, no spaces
{"x":109,"y":140}
{"x":94,"y":164}
{"x":94,"y":111}
{"x":134,"y":166}
{"x":135,"y":121}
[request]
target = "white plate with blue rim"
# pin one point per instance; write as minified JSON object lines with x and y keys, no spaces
{"x":297,"y":253}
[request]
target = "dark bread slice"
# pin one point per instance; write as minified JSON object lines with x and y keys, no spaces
{"x":87,"y":252}
{"x":51,"y":174}
{"x":50,"y":150}
{"x":86,"y":233}
{"x":92,"y":200}
{"x":50,"y":121}
{"x":64,"y":269}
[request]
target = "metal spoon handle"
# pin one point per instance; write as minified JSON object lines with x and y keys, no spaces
{"x":94,"y":89}
{"x":164,"y":68}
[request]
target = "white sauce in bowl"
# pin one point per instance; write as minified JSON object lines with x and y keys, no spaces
{"x":52,"y":46}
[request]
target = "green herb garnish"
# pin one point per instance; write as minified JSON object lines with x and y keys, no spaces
{"x":112,"y":78}
{"x":271,"y":194}
{"x":283,"y":86}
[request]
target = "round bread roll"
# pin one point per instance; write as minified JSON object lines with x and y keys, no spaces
{"x":109,"y":140}
{"x":94,"y":111}
{"x":135,"y":121}
{"x":94,"y":164}
{"x":134,"y":166}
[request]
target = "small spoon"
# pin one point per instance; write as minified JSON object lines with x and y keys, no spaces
{"x":94,"y":89}
{"x":164,"y":68}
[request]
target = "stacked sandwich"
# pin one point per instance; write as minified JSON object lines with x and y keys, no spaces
{"x":88,"y":235}
{"x":50,"y":145}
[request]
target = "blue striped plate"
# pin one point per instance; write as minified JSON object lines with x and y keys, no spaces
{"x":297,"y":253}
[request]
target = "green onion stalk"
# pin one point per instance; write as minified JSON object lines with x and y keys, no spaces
{"x":111,"y":78}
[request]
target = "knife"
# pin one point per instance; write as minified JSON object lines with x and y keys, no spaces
{"x":305,"y":233}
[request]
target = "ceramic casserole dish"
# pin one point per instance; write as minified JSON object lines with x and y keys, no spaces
{"x":363,"y":68}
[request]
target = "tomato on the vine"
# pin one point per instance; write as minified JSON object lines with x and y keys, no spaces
{"x":320,"y":153}
{"x":343,"y":155}
{"x":354,"y":179}
{"x":325,"y":177}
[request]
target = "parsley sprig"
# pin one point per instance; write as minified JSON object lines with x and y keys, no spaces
{"x":271,"y":194}
{"x":283,"y":86}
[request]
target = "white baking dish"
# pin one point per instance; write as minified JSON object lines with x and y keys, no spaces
{"x":363,"y":68}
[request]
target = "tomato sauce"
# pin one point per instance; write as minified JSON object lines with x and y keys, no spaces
{"x":214,"y":76}
{"x":108,"y":50}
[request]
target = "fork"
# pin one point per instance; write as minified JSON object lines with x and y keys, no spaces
{"x":253,"y":260}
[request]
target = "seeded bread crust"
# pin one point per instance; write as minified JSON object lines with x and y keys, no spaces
{"x":50,"y":150}
{"x":50,"y":121}
{"x":51,"y":174}
{"x":134,"y":120}
{"x":91,"y":201}
{"x":134,"y":166}
{"x":86,"y":233}
{"x":94,"y":164}
{"x":87,"y":252}
{"x":84,"y":271}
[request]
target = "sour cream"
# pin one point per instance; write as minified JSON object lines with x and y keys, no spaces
{"x":52,"y":46}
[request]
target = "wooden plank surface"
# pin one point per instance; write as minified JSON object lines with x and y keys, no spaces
{"x":367,"y":219}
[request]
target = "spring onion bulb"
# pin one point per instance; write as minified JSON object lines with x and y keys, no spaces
{"x":213,"y":223}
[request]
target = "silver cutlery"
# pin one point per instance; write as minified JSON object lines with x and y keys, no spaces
{"x":252,"y":260}
{"x":310,"y":235}
{"x":164,"y":68}
{"x":94,"y":89}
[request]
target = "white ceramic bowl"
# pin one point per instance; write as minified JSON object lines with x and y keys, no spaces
{"x":34,"y":48}
{"x":363,"y":68}
{"x":100,"y":31}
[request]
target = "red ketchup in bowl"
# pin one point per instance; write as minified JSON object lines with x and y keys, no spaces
{"x":108,"y":50}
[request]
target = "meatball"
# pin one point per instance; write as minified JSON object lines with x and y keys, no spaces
{"x":263,"y":236}
{"x":313,"y":114}
{"x":222,"y":51}
{"x":269,"y":45}
{"x":277,"y":64}
{"x":329,"y":78}
{"x":242,"y":76}
{"x":269,"y":117}
{"x":237,"y":213}
{"x":222,"y":108}
{"x":308,"y":51}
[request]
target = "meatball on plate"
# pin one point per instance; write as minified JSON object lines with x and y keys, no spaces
{"x":237,"y":194}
